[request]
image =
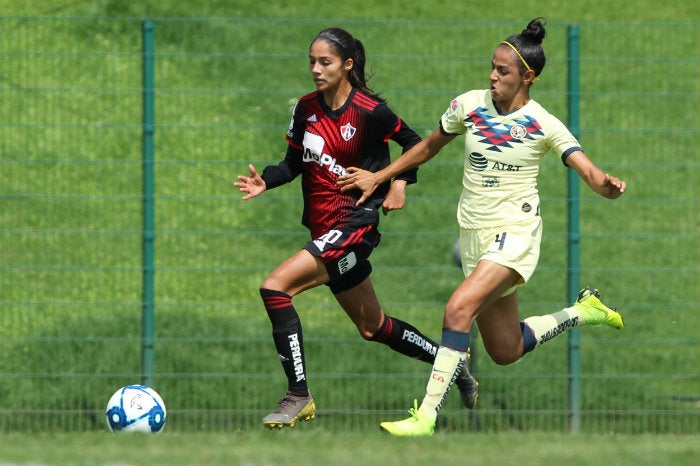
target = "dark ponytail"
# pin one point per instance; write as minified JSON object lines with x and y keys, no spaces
{"x":528,"y":44}
{"x":346,"y":46}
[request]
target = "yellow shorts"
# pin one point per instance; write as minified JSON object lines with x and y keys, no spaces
{"x":515,"y":246}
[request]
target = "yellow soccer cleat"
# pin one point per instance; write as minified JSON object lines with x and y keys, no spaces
{"x":594,"y":312}
{"x":419,"y":424}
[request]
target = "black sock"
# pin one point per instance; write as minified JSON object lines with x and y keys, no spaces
{"x":406,"y":339}
{"x":286,"y":332}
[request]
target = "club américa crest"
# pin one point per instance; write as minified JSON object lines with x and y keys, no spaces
{"x":518,"y":131}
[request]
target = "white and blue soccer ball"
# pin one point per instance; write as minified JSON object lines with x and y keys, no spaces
{"x":136,"y":408}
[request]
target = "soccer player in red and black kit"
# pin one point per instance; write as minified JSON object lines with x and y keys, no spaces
{"x":342,"y":124}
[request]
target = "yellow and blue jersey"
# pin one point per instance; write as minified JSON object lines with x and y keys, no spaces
{"x":502,"y":157}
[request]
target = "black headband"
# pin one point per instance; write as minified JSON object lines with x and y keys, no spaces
{"x":335,"y":41}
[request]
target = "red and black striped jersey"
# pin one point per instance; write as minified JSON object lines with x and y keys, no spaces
{"x":324,"y":142}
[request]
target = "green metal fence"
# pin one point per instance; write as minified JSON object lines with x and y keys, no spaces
{"x":73,"y":260}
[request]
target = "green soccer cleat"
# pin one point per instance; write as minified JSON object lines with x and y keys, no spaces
{"x":467,"y":385}
{"x":419,"y":424}
{"x":594,"y":312}
{"x":291,"y":409}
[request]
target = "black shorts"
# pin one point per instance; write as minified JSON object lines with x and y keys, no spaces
{"x":346,"y":255}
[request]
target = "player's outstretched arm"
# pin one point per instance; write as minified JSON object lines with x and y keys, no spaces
{"x":252,"y":185}
{"x":600,"y":182}
{"x":367,"y":182}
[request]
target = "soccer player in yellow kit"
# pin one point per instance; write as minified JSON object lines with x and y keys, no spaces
{"x":506,"y":136}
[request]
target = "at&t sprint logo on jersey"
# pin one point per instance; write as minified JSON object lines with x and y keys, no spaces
{"x":478,"y":161}
{"x":313,"y":152}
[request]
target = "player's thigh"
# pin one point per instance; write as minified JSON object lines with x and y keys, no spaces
{"x":515,"y":246}
{"x":484,"y":285}
{"x":300,"y":272}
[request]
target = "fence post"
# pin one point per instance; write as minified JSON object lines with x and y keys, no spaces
{"x":574,"y":235}
{"x":148,"y":318}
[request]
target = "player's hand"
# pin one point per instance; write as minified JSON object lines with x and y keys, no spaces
{"x":613,"y":187}
{"x":357,"y":178}
{"x":253,"y":185}
{"x":395,"y":198}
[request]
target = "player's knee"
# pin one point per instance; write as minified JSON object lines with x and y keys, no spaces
{"x":458,"y":315}
{"x":368,"y":331}
{"x":267,"y":284}
{"x":271,"y":282}
{"x":368,"y":336}
{"x":503,"y":356}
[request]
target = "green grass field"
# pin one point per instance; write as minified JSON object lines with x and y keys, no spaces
{"x":585,"y":10}
{"x":313,"y":446}
{"x":70,"y":276}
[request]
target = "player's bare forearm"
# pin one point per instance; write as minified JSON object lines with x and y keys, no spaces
{"x":605,"y":184}
{"x":367,"y":182}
